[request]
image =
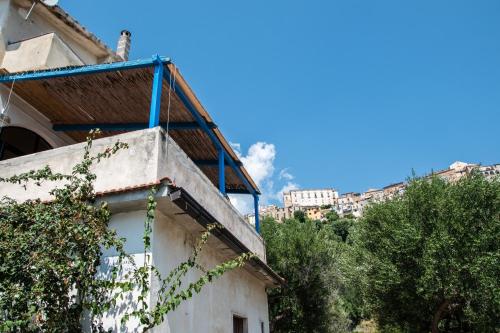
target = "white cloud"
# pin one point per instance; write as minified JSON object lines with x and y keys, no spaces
{"x":242,"y":202}
{"x":259,"y":162}
{"x":237,"y":148}
{"x":284,"y":174}
{"x":286,"y":188}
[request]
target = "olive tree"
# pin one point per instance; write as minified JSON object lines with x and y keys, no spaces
{"x":432,"y":256}
{"x":306,"y":257}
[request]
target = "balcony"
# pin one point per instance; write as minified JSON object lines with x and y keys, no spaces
{"x":143,"y":164}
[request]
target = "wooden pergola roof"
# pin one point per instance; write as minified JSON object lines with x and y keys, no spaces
{"x":117,"y":97}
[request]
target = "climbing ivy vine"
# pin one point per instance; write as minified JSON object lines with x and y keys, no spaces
{"x":51,"y":254}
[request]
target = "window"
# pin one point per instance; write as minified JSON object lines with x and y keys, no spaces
{"x":18,"y":141}
{"x":262,"y":329}
{"x":240,"y":324}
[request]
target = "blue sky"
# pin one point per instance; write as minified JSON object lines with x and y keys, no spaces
{"x":348,"y":94}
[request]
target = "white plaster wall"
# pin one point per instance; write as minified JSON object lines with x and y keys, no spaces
{"x":60,"y":50}
{"x":129,"y":167}
{"x":15,"y":28}
{"x":129,"y":225}
{"x":236,"y":292}
{"x":39,"y":53}
{"x":27,"y":55}
{"x":4,"y":11}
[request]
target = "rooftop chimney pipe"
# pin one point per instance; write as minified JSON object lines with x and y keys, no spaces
{"x":123,"y":47}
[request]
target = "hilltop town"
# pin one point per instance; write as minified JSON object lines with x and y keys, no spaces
{"x":316,"y":203}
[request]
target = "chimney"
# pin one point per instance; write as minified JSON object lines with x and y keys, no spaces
{"x":123,"y":47}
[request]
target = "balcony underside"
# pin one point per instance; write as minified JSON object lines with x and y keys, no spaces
{"x":179,"y":205}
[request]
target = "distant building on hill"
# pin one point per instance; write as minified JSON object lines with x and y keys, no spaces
{"x":316,"y":213}
{"x":490,"y":171}
{"x":454,"y":172}
{"x":348,"y":204}
{"x":317,"y":202}
{"x":281,"y":214}
{"x":310,"y":198}
{"x":459,"y":169}
{"x":278,"y":213}
{"x":394,"y":189}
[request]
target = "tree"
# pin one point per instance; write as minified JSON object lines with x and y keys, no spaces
{"x":332,"y":216}
{"x":305,"y":257}
{"x":340,"y":226}
{"x":299,"y":216}
{"x":432,"y":256}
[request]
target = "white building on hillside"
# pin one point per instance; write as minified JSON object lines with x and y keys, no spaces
{"x":348,"y":204}
{"x":46,"y":115}
{"x":309,"y":198}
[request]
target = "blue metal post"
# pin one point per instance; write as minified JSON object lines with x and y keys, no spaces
{"x":154,"y":112}
{"x":222,"y":173}
{"x":256,"y":207}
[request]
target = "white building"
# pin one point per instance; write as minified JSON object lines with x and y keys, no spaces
{"x":280,"y":214}
{"x":46,"y":119}
{"x":309,"y":198}
{"x":349,"y":204}
{"x":490,"y":171}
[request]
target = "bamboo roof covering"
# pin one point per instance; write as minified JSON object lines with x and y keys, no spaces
{"x":123,"y":97}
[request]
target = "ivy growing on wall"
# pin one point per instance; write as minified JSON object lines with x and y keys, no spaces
{"x":51,"y":254}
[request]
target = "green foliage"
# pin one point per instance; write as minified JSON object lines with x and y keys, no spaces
{"x":353,"y":281}
{"x":299,"y":216}
{"x":351,"y":270}
{"x":332,"y":216}
{"x":431,"y":257}
{"x":51,"y":252}
{"x":341,"y":226}
{"x":306,"y":258}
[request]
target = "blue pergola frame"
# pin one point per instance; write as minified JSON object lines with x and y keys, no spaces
{"x":160,"y":72}
{"x":223,"y":156}
{"x":127,"y":126}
